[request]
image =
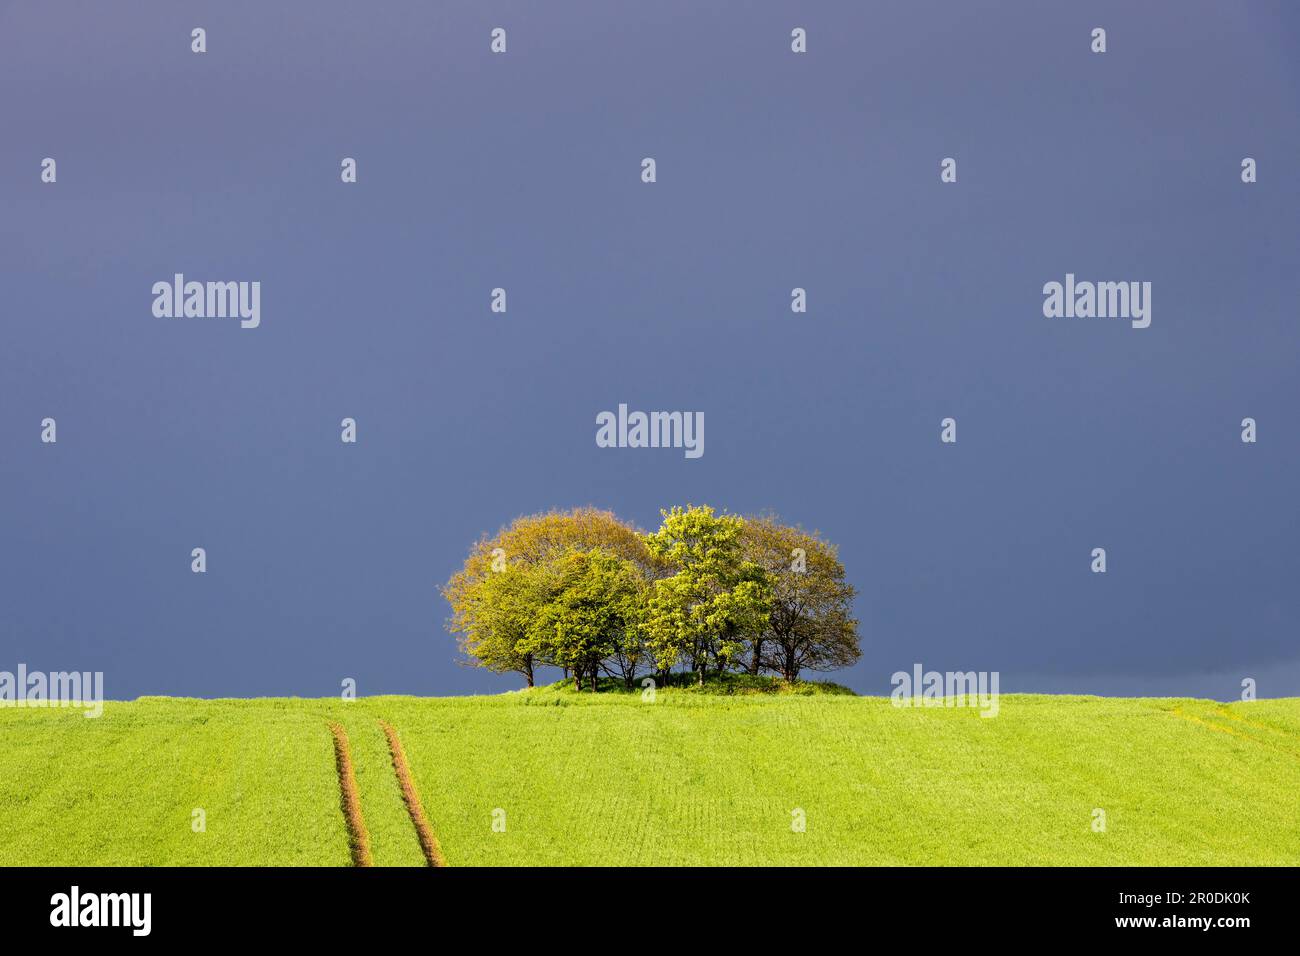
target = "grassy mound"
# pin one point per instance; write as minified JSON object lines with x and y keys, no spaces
{"x":715,"y":684}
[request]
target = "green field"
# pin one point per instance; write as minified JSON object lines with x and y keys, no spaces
{"x":689,"y":779}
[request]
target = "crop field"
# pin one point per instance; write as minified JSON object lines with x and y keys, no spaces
{"x":550,"y":777}
{"x":122,"y":789}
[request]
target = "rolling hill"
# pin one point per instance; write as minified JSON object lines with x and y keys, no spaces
{"x":551,"y":777}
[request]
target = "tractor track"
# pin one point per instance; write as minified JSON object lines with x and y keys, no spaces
{"x":428,"y":841}
{"x":1224,"y":713}
{"x":350,"y":799}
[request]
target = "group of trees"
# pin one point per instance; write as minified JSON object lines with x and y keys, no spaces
{"x":588,"y":593}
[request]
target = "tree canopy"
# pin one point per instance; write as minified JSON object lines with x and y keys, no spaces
{"x":583,"y":591}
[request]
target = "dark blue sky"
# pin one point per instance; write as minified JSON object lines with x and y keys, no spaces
{"x":775,"y":170}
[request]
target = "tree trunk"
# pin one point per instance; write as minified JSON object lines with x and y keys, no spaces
{"x":758,"y":655}
{"x":791,"y":669}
